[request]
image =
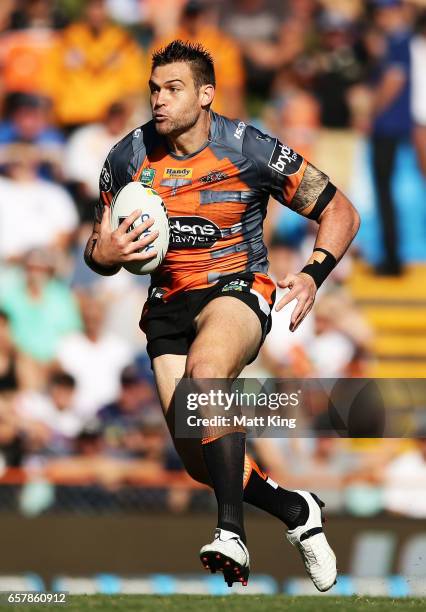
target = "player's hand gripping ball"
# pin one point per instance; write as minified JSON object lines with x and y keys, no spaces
{"x":135,"y":196}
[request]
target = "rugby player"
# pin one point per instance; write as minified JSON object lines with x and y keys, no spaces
{"x":209,"y":304}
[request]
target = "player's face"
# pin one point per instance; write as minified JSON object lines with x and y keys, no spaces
{"x":176,"y":104}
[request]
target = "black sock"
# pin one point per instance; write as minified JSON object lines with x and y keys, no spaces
{"x":290,"y":507}
{"x":224,"y":459}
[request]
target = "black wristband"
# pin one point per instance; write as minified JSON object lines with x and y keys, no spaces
{"x":96,"y":267}
{"x":320,"y":271}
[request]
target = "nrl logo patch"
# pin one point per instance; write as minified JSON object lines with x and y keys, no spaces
{"x":213,"y":177}
{"x":147,"y":176}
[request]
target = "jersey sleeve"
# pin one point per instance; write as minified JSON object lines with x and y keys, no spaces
{"x":114,"y":175}
{"x":285,"y":174}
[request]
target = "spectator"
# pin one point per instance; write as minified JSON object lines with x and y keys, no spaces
{"x":122,"y":420}
{"x":418,"y":55}
{"x":94,"y":357}
{"x":38,"y":13}
{"x":405,"y":479}
{"x":11,"y":444}
{"x":6,"y":10}
{"x":155,"y":12}
{"x":283,"y":351}
{"x":322,"y":350}
{"x":320,"y":97}
{"x":41,"y":308}
{"x":128,"y":12}
{"x":92,"y":64}
{"x":337,"y":69}
{"x":268,"y":41}
{"x":25,"y":50}
{"x":332,"y":342}
{"x":17,"y":370}
{"x":301,"y":462}
{"x":85,"y":154}
{"x":28,"y":122}
{"x":391,"y":121}
{"x":8,"y":359}
{"x":294,"y":118}
{"x":44,"y":215}
{"x":90,"y":464}
{"x":199,"y":24}
{"x":332,"y":350}
{"x":54,"y":412}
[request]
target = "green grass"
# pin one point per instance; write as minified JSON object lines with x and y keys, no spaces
{"x":243,"y":603}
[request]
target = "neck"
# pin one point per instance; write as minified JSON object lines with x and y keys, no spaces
{"x":192,"y":139}
{"x":95,"y":29}
{"x":35,"y":291}
{"x":92,"y":335}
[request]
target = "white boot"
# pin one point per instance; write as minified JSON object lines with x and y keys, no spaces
{"x":318,"y":557}
{"x":228,"y":554}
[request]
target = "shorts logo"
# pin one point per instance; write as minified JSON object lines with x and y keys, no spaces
{"x":284,"y":160}
{"x":105,"y":180}
{"x":214,"y":176}
{"x":147,"y":176}
{"x":193,"y":233}
{"x":236,"y":285}
{"x":157,"y":293}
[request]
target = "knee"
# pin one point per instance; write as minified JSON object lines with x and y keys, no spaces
{"x":200,"y":368}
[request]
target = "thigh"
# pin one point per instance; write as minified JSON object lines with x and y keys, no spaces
{"x":228,"y":334}
{"x":168,"y":329}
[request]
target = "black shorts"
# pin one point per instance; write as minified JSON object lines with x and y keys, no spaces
{"x":169,"y":326}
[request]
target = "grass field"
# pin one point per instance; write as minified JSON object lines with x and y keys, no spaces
{"x":246,"y":603}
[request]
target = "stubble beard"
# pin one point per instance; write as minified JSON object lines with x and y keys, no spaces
{"x":176,"y":127}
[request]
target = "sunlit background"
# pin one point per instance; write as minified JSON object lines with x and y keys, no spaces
{"x":92,"y":494}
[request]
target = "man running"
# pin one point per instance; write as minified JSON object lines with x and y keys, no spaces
{"x":209,"y":304}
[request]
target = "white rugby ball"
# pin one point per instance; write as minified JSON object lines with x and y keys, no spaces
{"x":128,"y":199}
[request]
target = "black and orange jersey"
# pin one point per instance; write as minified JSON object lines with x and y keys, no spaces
{"x":216,"y":198}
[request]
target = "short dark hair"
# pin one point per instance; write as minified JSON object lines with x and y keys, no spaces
{"x":62,"y":379}
{"x":195,"y":54}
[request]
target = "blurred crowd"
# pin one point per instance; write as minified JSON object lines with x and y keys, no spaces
{"x":77,"y":398}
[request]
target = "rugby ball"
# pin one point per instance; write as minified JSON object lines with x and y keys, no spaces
{"x":128,"y":199}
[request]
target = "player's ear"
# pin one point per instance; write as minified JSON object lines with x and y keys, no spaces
{"x":206,"y":95}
